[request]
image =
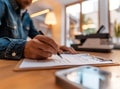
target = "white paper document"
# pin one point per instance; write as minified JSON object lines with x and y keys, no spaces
{"x":68,"y":59}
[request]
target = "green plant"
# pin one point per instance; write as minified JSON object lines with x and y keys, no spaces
{"x":117,"y":29}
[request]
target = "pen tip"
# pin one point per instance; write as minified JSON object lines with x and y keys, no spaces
{"x":59,"y":55}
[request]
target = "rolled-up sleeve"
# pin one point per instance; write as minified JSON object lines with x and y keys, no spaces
{"x":11,"y":48}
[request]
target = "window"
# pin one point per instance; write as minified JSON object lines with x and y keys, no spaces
{"x":114,"y":8}
{"x":81,"y":18}
{"x":72,"y":22}
{"x":90,"y":16}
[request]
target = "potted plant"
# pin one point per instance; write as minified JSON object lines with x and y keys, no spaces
{"x":117,"y":31}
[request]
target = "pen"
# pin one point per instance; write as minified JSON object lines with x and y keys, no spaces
{"x":103,"y":59}
{"x":57,"y":52}
{"x":59,"y":55}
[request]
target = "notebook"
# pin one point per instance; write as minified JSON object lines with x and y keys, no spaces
{"x":68,"y":60}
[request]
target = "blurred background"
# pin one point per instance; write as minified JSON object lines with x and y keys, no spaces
{"x":63,"y":19}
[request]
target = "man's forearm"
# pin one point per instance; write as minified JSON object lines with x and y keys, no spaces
{"x":11,"y":48}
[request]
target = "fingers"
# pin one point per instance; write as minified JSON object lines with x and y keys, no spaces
{"x":47,"y":40}
{"x":71,"y":50}
{"x":36,"y":49}
{"x":40,"y":54}
{"x":60,"y":51}
{"x":68,"y":50}
{"x":45,"y":47}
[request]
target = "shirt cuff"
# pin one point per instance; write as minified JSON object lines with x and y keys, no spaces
{"x":15,"y":49}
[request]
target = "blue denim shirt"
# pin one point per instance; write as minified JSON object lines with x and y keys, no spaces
{"x":14,"y":30}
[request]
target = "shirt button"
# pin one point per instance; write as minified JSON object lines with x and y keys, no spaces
{"x":15,"y":27}
{"x":27,"y":28}
{"x":13,"y":54}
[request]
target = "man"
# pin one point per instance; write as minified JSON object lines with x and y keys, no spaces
{"x":15,"y":26}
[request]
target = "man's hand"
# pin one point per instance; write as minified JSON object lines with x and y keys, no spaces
{"x":40,"y":47}
{"x":70,"y":50}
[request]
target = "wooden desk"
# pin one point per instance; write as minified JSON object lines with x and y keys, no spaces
{"x":45,"y":79}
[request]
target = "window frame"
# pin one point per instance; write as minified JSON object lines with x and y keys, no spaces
{"x":81,"y":24}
